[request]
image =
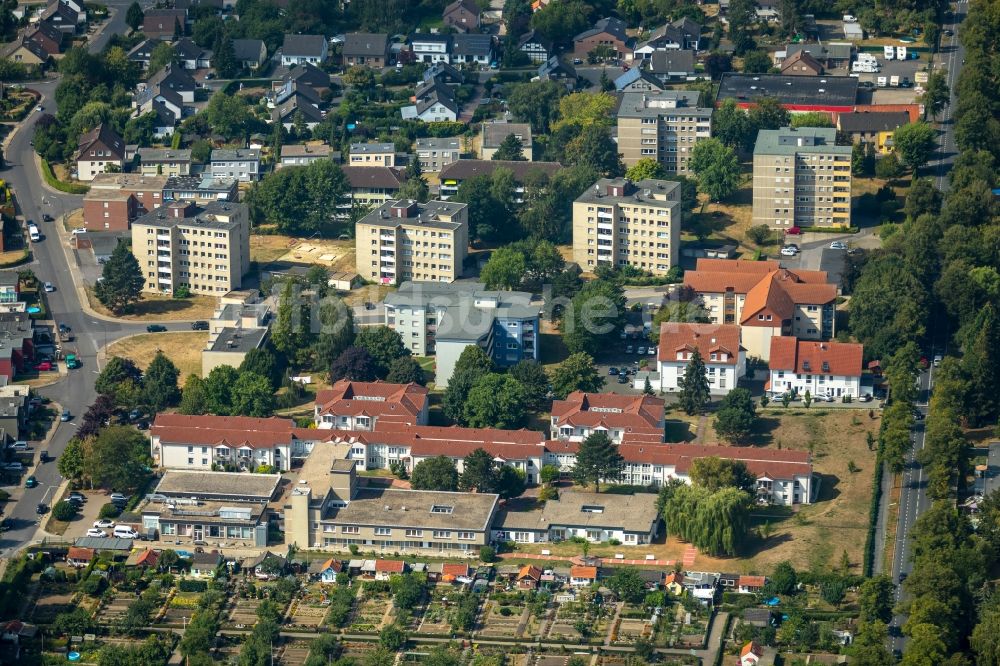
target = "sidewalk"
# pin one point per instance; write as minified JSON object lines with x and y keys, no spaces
{"x":578,"y":560}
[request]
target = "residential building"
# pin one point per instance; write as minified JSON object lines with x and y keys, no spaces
{"x":79,"y":558}
{"x":364,"y":48}
{"x":875,"y":127}
{"x":373,"y":154}
{"x":213,"y":508}
{"x":801,"y":63}
{"x":66,"y":17}
{"x":238,"y":311}
{"x":407,"y":240}
{"x":17,"y":330}
{"x":243,"y":164}
{"x":14,"y":411}
{"x":10,"y":288}
{"x":297,"y":103}
{"x":204,"y":565}
{"x":453,"y":175}
{"x":493,"y":134}
{"x":163,"y":24}
{"x":299,"y":49}
{"x":638,"y":80}
{"x":143,"y":51}
{"x":443,"y":73}
{"x":832,"y":55}
{"x":662,"y":126}
{"x":720,"y":349}
{"x":436,"y":319}
{"x":765,"y":301}
{"x":200,"y":189}
{"x":328,"y":509}
{"x":370,"y":186}
{"x":434,"y":154}
{"x":825,"y":369}
{"x":100,"y":150}
{"x":303,"y":75}
{"x":582,"y":576}
{"x":462,"y":15}
{"x":431,"y":47}
{"x":109,"y":210}
{"x":596,"y":517}
{"x":680,"y":35}
{"x":555,"y":69}
{"x":607,"y":35}
{"x":472,"y":49}
{"x":251,"y":54}
{"x":164,"y":162}
{"x":536,"y":46}
{"x":624,"y":223}
{"x":667,"y":66}
{"x":26,"y":52}
{"x":350,"y":405}
{"x":637,"y":417}
{"x":794,"y":93}
{"x":191,"y":56}
{"x":234,"y":332}
{"x":47,"y":36}
{"x":147,"y":190}
{"x":801,"y":178}
{"x":304,"y":154}
{"x":170,"y":94}
{"x":433,"y":102}
{"x":206,"y":248}
{"x":238,"y":443}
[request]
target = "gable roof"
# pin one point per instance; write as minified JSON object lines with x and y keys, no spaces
{"x":248,"y":49}
{"x":529,"y":571}
{"x":751,"y":581}
{"x":463,"y":169}
{"x":533,"y":36}
{"x":390,"y":566}
{"x":365,"y":44}
{"x":495,"y":133}
{"x":467,"y":5}
{"x":708,"y":339}
{"x":29,"y":45}
{"x":667,"y":62}
{"x":611,"y":25}
{"x":186,"y":49}
{"x":578,"y":571}
{"x":361,"y":177}
{"x":751,"y":648}
{"x":471,"y":44}
{"x":811,"y":357}
{"x":805,"y":58}
{"x":872,"y":121}
{"x":231,"y":431}
{"x":610,"y":410}
{"x":444,"y":72}
{"x":303,"y":45}
{"x":103,"y":135}
{"x":633,"y":75}
{"x":80,"y":554}
{"x":402,"y":403}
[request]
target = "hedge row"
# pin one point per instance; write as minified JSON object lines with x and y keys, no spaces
{"x":873,"y":510}
{"x":52,"y":181}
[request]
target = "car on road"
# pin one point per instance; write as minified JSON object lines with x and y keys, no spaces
{"x":44,"y":366}
{"x":612,"y":371}
{"x":72,"y":362}
{"x":66,"y":416}
{"x":39,"y":108}
{"x":156,"y":328}
{"x":47,"y":218}
{"x":48,"y":287}
{"x":199,"y":325}
{"x":577,"y":61}
{"x":866,"y":397}
{"x":794,"y":231}
{"x":94,"y":532}
{"x":937,"y":360}
{"x":104,"y":524}
{"x":947,"y":33}
{"x":918,"y":415}
{"x":789,"y":251}
{"x":30,"y":482}
{"x":651,"y":351}
{"x":41,"y":509}
{"x":78,"y":231}
{"x":838,"y":245}
{"x":43,"y":457}
{"x":76,"y":496}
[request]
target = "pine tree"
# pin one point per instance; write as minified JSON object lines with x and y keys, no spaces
{"x":134,"y":16}
{"x":122,"y":283}
{"x":224,"y":58}
{"x":693,"y":386}
{"x":510,"y":149}
{"x":598,"y":458}
{"x":647,"y":388}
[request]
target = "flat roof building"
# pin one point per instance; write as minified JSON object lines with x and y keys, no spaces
{"x":662,"y":126}
{"x":795,"y":93}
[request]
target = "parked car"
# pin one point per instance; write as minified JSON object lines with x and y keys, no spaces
{"x":49,"y":287}
{"x":641,"y":350}
{"x":629,"y":349}
{"x":867,"y":397}
{"x":838,"y":245}
{"x":156,"y":328}
{"x":78,"y":231}
{"x":937,"y":360}
{"x":66,"y":416}
{"x":14,"y":466}
{"x":794,"y":231}
{"x":134,"y":415}
{"x":44,"y":366}
{"x":20,"y":445}
{"x":41,"y":509}
{"x":623,"y":379}
{"x":94,"y":532}
{"x":30,"y":482}
{"x":76,"y":496}
{"x":199,"y":325}
{"x":612,"y":371}
{"x":651,"y":351}
{"x":118,"y":498}
{"x":789,"y":251}
{"x":47,"y":218}
{"x":104,"y":524}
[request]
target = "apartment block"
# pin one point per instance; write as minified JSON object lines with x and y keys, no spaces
{"x":373,"y":154}
{"x":435,"y":154}
{"x":406,"y":240}
{"x":829,"y":370}
{"x":349,"y":405}
{"x":663,"y":126}
{"x":801,"y":178}
{"x":206,"y":248}
{"x":624,"y":223}
{"x":147,"y":190}
{"x":108,"y":210}
{"x":243,"y":164}
{"x":618,"y":416}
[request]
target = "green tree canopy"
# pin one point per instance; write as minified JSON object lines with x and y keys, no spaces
{"x":717,"y":168}
{"x":504,"y":270}
{"x":438,"y":473}
{"x":576,"y":373}
{"x":118,"y":458}
{"x":714,"y":473}
{"x":914,"y":143}
{"x":159,"y":384}
{"x":121,"y":286}
{"x":694,"y":390}
{"x":598,"y":459}
{"x":645,"y":168}
{"x":383,"y":344}
{"x":510,"y":149}
{"x":495,"y":401}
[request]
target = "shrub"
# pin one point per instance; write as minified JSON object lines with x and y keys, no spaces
{"x":93,"y":585}
{"x":109,"y":511}
{"x":189,"y":585}
{"x":506,"y":611}
{"x":487,"y":554}
{"x":64,"y":511}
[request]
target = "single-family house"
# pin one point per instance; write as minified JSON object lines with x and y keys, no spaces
{"x":79,"y":557}
{"x":99,"y":150}
{"x":639,"y":80}
{"x":442,"y":72}
{"x":528,"y":577}
{"x":304,"y":154}
{"x":462,"y":15}
{"x":718,"y":345}
{"x":295,"y":107}
{"x":676,"y":65}
{"x":831,"y":55}
{"x":536,"y":46}
{"x":830,"y":370}
{"x":298,"y":49}
{"x":46,"y":35}
{"x":165,"y":24}
{"x":250,"y":53}
{"x":365,"y":48}
{"x":607,"y":38}
{"x":243,"y":164}
{"x":143,"y":559}
{"x":754,"y":654}
{"x":432,"y":102}
{"x":750,"y":584}
{"x":190,"y":55}
{"x":143,"y":51}
{"x":581,"y":576}
{"x":801,"y":63}
{"x":267,"y":565}
{"x":471,"y":49}
{"x":204,"y":565}
{"x":555,"y":69}
{"x":25,"y":52}
{"x":371,"y":185}
{"x":386,"y":569}
{"x":682,"y":34}
{"x":64,"y":16}
{"x":431,"y":47}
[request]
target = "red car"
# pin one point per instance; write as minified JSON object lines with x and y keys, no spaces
{"x":793,"y":231}
{"x":43,"y":366}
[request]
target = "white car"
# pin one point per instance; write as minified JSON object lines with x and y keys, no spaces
{"x":94,"y":532}
{"x":838,"y":245}
{"x":789,"y":251}
{"x":78,"y":231}
{"x":49,"y":287}
{"x":104,"y":523}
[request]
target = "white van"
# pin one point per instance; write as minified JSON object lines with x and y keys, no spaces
{"x":889,"y":52}
{"x":33,"y":233}
{"x":900,"y":53}
{"x":125,"y":532}
{"x":894,"y":81}
{"x":883,"y":81}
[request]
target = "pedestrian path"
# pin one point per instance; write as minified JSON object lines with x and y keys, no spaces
{"x":577,"y":560}
{"x":690,"y":553}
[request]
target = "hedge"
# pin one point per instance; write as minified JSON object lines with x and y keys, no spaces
{"x":873,"y":509}
{"x":833,"y":230}
{"x":188,"y":585}
{"x":52,"y":181}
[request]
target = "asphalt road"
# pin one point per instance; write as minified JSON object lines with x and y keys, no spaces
{"x":953,"y":54}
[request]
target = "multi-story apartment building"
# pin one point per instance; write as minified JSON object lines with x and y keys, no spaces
{"x":349,"y":405}
{"x":232,"y":442}
{"x":663,"y":126}
{"x":164,"y":162}
{"x":824,"y":369}
{"x":624,"y":223}
{"x":243,"y":164}
{"x":206,"y":248}
{"x":434,"y":154}
{"x":720,"y":349}
{"x":406,"y":240}
{"x":765,"y":301}
{"x":801,"y":178}
{"x":148,"y":190}
{"x":443,"y":319}
{"x":639,"y":418}
{"x":373,"y":154}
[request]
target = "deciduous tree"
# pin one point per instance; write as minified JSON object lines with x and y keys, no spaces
{"x":495,"y":401}
{"x":576,"y":373}
{"x":717,"y":168}
{"x":438,"y":473}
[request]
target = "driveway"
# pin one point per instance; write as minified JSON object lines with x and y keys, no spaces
{"x":85,"y":519}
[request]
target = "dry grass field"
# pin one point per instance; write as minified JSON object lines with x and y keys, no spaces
{"x":184,"y":349}
{"x":154,"y":307}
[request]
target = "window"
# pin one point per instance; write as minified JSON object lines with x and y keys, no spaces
{"x":442,"y":534}
{"x":414,"y":533}
{"x":383,"y":531}
{"x":467,"y":536}
{"x":350,"y":529}
{"x":442,"y":508}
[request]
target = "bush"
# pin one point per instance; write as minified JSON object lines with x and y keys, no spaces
{"x":64,"y":511}
{"x":506,"y":611}
{"x":93,"y":585}
{"x":52,"y":181}
{"x":487,"y":554}
{"x":182,"y":291}
{"x":189,"y":585}
{"x":109,"y":511}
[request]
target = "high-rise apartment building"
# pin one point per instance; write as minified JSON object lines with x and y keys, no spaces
{"x":206,"y":248}
{"x":406,"y":240}
{"x":662,"y":126}
{"x":801,"y":178}
{"x":622,"y":223}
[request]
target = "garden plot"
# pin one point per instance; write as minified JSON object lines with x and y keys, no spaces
{"x":244,"y":612}
{"x":370,"y":612}
{"x":543,"y":660}
{"x":632,"y":629}
{"x":307,"y":615}
{"x":576,"y":620}
{"x":294,"y":654}
{"x":115,"y":609}
{"x":357,"y":651}
{"x":435,"y":616}
{"x":501,"y":621}
{"x":181,"y":608}
{"x":50,"y":605}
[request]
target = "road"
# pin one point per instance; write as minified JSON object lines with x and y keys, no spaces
{"x":953,"y":54}
{"x":50,"y":263}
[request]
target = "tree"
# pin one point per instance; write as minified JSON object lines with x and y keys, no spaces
{"x":510,"y":149}
{"x":134,"y":16}
{"x":627,"y":585}
{"x":767,"y":113}
{"x":717,"y":168}
{"x":594,"y":317}
{"x":783,"y":578}
{"x":495,"y":401}
{"x":415,"y":185}
{"x":291,"y":332}
{"x":876,"y":599}
{"x":694,"y":392}
{"x":117,"y":371}
{"x":64,"y":511}
{"x":504,"y":270}
{"x":594,"y":148}
{"x":731,"y":125}
{"x":576,"y":373}
{"x":472,"y":364}
{"x":534,"y":381}
{"x":936,"y":95}
{"x":118,"y":458}
{"x":760,"y":234}
{"x":193,"y":396}
{"x":645,"y":168}
{"x":354,"y":363}
{"x":262,"y":361}
{"x":383,"y":344}
{"x":536,"y":103}
{"x":756,"y":62}
{"x":714,"y":473}
{"x":159,"y":384}
{"x":122,"y":281}
{"x":230,"y":116}
{"x":716,"y":522}
{"x":438,"y":473}
{"x":888,"y":167}
{"x":406,"y":370}
{"x":161,"y":56}
{"x":252,"y":395}
{"x":812,"y":119}
{"x":477,"y":472}
{"x":218,"y":390}
{"x":915,"y":142}
{"x":71,"y":462}
{"x":735,"y":419}
{"x":224,"y":58}
{"x":598,"y":458}
{"x":336,"y":330}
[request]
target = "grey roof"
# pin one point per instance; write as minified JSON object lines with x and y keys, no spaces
{"x":427,"y":214}
{"x":651,"y":105}
{"x":794,"y":140}
{"x":372,"y":176}
{"x":306,"y":150}
{"x":232,"y":154}
{"x":372,"y":147}
{"x":173,"y":78}
{"x":555,"y":68}
{"x":494,"y":133}
{"x":834,"y":51}
{"x":186,"y":49}
{"x":247,"y":49}
{"x":632,"y":513}
{"x":436,"y":37}
{"x":668,"y":62}
{"x":201,"y":560}
{"x":430,"y":93}
{"x":303,"y":45}
{"x":296,"y":103}
{"x":205,"y":216}
{"x":633,"y":75}
{"x":199,"y":183}
{"x":802,"y":90}
{"x":242,"y":340}
{"x":463,"y":169}
{"x":9,"y":279}
{"x":471,"y":44}
{"x":365,"y":44}
{"x":598,"y":193}
{"x":164,"y":155}
{"x":16,"y":326}
{"x":611,"y":25}
{"x":412,"y":508}
{"x":436,"y":143}
{"x":535,"y":37}
{"x":103,"y":243}
{"x":453,"y":303}
{"x":104,"y":543}
{"x":444,"y":71}
{"x":688,"y":26}
{"x":144,"y":49}
{"x":308,"y":74}
{"x":209,"y":485}
{"x":872,"y":121}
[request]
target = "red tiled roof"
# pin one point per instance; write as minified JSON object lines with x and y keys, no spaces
{"x":80,"y":554}
{"x":403,"y":402}
{"x":528,"y":571}
{"x":778,"y":293}
{"x":453,"y":569}
{"x":751,"y":647}
{"x":447,"y":441}
{"x":231,"y":431}
{"x":148,"y":558}
{"x":611,"y":410}
{"x":716,"y":276}
{"x":751,"y":581}
{"x":841,"y":358}
{"x":583,"y":572}
{"x":390,"y":566}
{"x":772,"y":463}
{"x":708,"y":338}
{"x":674,"y":577}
